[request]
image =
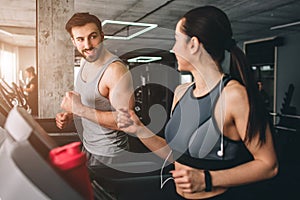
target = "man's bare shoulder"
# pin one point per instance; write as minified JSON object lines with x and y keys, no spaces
{"x":116,"y":73}
{"x":117,"y":67}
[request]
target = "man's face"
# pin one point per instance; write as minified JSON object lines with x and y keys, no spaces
{"x":87,"y":40}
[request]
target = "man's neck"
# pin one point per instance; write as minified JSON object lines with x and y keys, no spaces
{"x":105,"y":55}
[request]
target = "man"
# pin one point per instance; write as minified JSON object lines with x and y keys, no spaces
{"x":264,"y":95}
{"x":31,"y":90}
{"x":103,"y":85}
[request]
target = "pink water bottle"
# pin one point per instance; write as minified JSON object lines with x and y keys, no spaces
{"x":70,"y":161}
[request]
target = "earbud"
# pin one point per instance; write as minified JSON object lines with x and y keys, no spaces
{"x":220,"y":152}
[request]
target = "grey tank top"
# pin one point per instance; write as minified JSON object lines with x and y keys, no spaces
{"x":193,"y":134}
{"x":97,"y":139}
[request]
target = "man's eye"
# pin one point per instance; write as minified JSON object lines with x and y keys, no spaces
{"x":94,"y":36}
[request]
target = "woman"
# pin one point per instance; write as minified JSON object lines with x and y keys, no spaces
{"x":31,"y":89}
{"x":218,"y":134}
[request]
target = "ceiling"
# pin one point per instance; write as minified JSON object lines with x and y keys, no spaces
{"x":251,"y":19}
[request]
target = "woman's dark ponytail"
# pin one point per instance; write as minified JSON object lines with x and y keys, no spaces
{"x":258,"y":118}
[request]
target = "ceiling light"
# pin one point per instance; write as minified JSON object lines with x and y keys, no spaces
{"x":266,"y":68}
{"x":285,"y":25}
{"x":144,"y":59}
{"x":147,"y":26}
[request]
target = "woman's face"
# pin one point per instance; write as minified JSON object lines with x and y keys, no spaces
{"x":180,"y":48}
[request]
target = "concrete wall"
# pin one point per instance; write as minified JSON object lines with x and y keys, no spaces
{"x":55,"y":54}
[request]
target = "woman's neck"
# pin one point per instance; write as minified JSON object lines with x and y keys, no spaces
{"x":206,"y":79}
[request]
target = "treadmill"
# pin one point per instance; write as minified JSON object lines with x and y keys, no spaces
{"x":24,"y":167}
{"x":27,"y":174}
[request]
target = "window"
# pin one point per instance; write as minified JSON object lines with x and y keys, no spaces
{"x":8,"y":65}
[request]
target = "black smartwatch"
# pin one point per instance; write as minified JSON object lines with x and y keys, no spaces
{"x":208,"y":184}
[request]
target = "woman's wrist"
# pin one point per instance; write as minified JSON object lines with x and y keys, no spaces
{"x":208,"y":181}
{"x":143,"y":132}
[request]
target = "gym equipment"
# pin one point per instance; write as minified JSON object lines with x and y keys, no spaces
{"x":25,"y":169}
{"x":12,"y":96}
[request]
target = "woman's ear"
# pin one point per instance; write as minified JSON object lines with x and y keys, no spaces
{"x":194,"y":45}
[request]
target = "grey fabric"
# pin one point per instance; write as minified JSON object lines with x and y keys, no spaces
{"x":97,"y":139}
{"x":192,"y":129}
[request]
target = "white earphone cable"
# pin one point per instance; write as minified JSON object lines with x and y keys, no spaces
{"x":220,"y":152}
{"x":162,"y":183}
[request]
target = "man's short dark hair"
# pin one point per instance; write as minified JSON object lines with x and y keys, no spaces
{"x":81,"y":19}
